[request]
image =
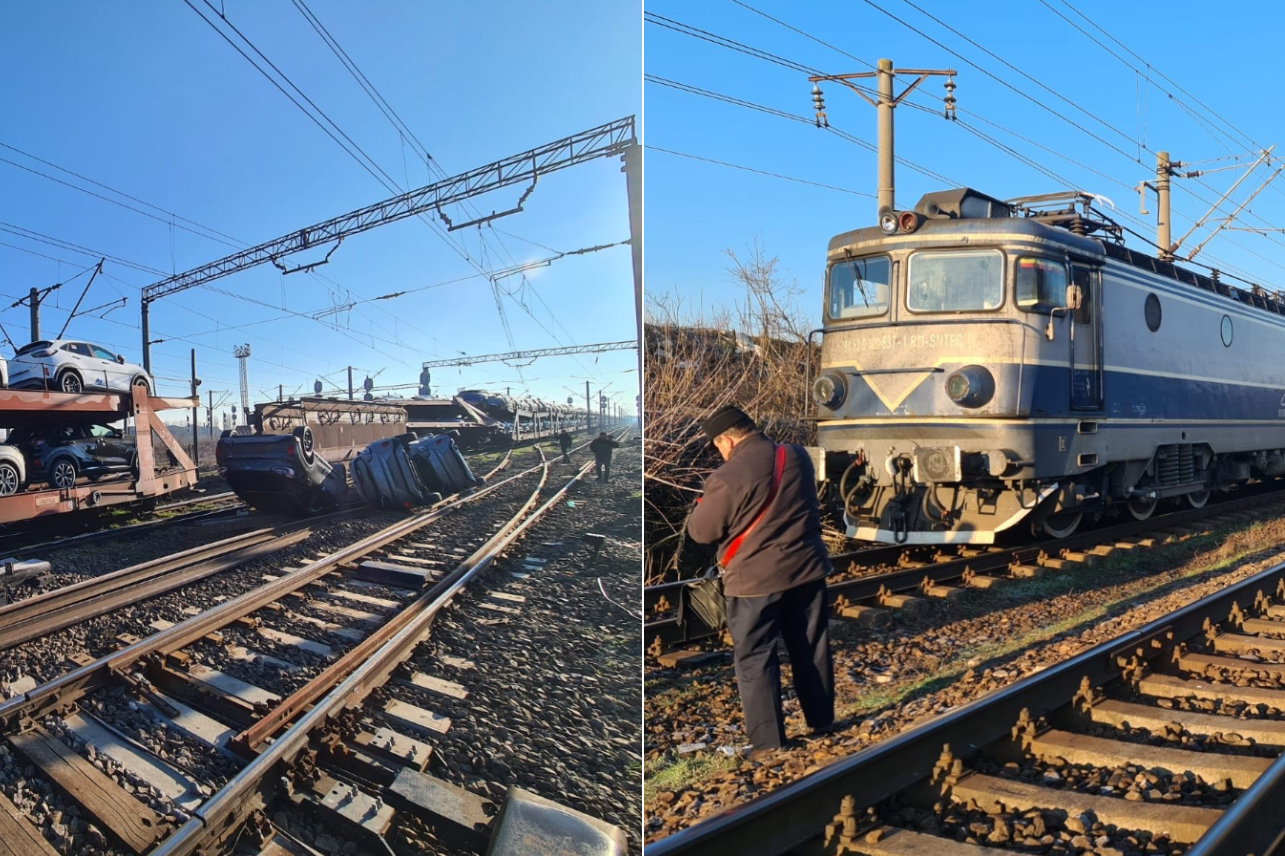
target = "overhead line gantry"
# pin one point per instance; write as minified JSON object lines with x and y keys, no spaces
{"x":614,"y":138}
{"x":598,"y":348}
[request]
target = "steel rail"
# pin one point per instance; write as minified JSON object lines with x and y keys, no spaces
{"x":220,"y":814}
{"x":109,"y":534}
{"x":787,"y":817}
{"x":76,"y":683}
{"x":252,"y":738}
{"x":869,"y":588}
{"x":64,"y":607}
{"x":197,"y":500}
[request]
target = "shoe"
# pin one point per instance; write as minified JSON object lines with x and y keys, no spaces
{"x":825,"y":729}
{"x":762,"y":754}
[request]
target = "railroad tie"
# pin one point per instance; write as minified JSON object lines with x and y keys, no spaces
{"x":128,"y":819}
{"x":895,"y":841}
{"x":1240,"y":643}
{"x":1171,"y":687}
{"x":1156,"y":719}
{"x":1184,"y":824}
{"x":18,"y":836}
{"x":1203,"y":663}
{"x":1240,"y":770}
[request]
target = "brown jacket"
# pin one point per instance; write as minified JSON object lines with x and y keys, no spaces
{"x":785,"y":549}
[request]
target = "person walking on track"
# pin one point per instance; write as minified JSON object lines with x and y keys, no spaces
{"x":601,"y":448}
{"x":564,"y":443}
{"x":761,"y":508}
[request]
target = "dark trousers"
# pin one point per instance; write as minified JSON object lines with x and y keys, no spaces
{"x":602,"y":468}
{"x":566,"y":458}
{"x":800,"y":618}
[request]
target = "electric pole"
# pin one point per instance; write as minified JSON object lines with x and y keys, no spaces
{"x":884,"y":106}
{"x":196,"y":406}
{"x":1166,"y":169}
{"x":633,"y":170}
{"x":242,"y":353}
{"x":588,"y":417}
{"x":33,"y":299}
{"x":350,"y":383}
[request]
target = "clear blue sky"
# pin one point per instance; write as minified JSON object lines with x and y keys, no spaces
{"x":147,"y":98}
{"x":695,"y":210}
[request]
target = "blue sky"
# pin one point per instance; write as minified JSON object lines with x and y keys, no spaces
{"x":148,"y":99}
{"x":695,"y":209}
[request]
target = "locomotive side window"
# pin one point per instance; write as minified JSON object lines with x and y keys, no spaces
{"x":860,"y":288}
{"x":1040,"y":284}
{"x":1151,"y":311}
{"x":967,"y":281}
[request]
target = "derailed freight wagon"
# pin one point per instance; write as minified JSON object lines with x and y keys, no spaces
{"x":988,"y":365}
{"x":294,"y":460}
{"x":340,"y":428}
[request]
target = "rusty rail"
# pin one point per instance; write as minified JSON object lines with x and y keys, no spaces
{"x":254,"y":786}
{"x":78,"y":682}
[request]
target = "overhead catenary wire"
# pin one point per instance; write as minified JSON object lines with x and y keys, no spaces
{"x":759,"y":171}
{"x":368,"y":163}
{"x":1006,"y":149}
{"x":740,"y":102}
{"x":403,"y":130}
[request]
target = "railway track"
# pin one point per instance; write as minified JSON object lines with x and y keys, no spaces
{"x":1167,"y":739}
{"x":27,"y":543}
{"x":869,"y":584}
{"x":275,"y":697}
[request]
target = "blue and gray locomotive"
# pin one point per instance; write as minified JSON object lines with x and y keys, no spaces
{"x":987,"y":365}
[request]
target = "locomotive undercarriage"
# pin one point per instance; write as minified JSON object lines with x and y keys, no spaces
{"x":898,"y":505}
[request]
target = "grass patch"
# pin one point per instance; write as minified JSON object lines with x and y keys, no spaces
{"x":676,"y":773}
{"x":1229,"y":547}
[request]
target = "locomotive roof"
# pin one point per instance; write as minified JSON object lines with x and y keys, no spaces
{"x":933,"y":231}
{"x":943,"y":223}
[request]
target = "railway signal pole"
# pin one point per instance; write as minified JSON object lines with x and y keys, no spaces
{"x":883,"y":106}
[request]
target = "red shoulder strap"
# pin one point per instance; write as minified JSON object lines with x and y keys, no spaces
{"x":735,"y":544}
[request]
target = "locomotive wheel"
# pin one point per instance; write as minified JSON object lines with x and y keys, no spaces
{"x":1198,"y":499}
{"x":1061,"y":525}
{"x":1141,"y":509}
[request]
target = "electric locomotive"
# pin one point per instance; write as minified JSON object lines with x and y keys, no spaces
{"x":987,"y":365}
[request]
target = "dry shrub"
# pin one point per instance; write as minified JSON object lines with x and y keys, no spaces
{"x":753,"y":356}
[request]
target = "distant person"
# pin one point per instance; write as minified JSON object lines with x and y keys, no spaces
{"x":564,"y":443}
{"x":761,"y":508}
{"x":601,"y":448}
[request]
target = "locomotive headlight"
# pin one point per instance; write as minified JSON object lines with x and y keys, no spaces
{"x":971,"y":386}
{"x":888,"y":221}
{"x":828,"y":390}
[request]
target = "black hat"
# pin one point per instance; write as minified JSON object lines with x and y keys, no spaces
{"x":723,"y":418}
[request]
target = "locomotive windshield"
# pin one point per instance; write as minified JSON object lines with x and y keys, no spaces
{"x":860,"y":288}
{"x":1040,"y":284}
{"x":967,"y":281}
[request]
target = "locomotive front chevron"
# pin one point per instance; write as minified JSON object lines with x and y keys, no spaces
{"x":989,"y":364}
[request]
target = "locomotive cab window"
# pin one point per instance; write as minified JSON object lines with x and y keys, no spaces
{"x":964,"y":281}
{"x":1040,"y":284}
{"x":860,"y":288}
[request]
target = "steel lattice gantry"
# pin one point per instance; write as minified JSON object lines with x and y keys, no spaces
{"x":535,"y":354}
{"x":613,"y":138}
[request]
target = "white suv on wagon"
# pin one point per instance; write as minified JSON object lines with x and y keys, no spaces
{"x":71,"y":366}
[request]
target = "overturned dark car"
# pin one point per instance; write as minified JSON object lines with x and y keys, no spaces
{"x":281,"y":472}
{"x":403,"y":471}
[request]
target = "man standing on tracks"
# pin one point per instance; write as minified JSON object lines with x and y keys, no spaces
{"x":761,"y":508}
{"x":601,"y":448}
{"x":564,"y":443}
